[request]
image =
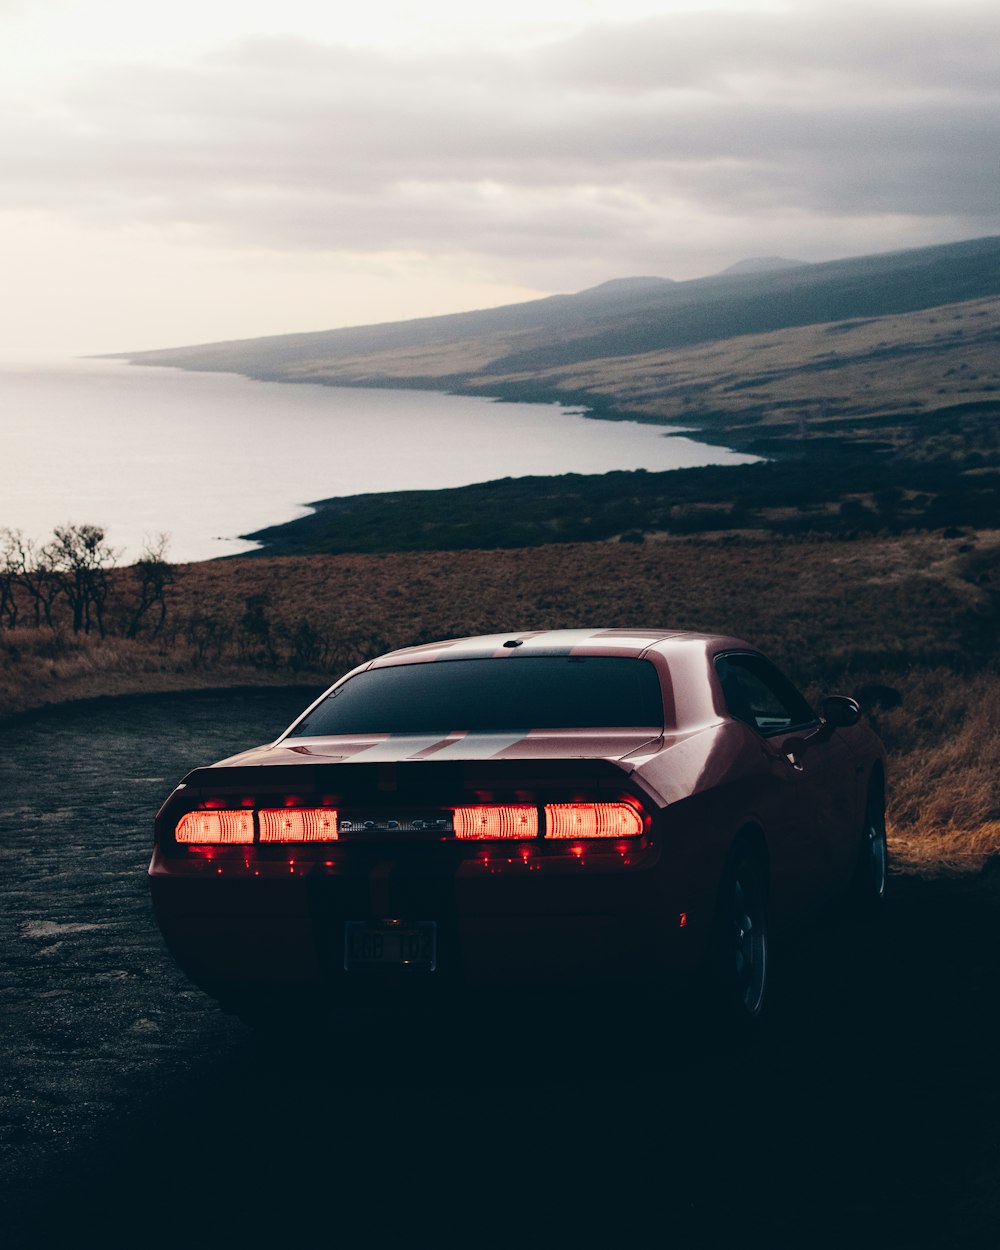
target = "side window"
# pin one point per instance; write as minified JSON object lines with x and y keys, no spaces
{"x":760,"y":696}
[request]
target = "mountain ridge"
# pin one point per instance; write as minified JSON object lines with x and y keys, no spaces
{"x":623,"y":317}
{"x":762,"y":264}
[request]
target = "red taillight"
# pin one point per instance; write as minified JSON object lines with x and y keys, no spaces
{"x":300,"y":824}
{"x":592,"y":820}
{"x":482,"y":822}
{"x":210,"y":828}
{"x":520,"y":821}
{"x":562,"y":820}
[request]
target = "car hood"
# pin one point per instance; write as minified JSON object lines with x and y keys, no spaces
{"x":605,"y":744}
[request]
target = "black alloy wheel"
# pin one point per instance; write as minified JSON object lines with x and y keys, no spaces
{"x":749,"y":921}
{"x":872,"y":872}
{"x":741,"y":945}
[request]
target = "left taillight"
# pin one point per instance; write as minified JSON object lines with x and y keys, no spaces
{"x":214,"y":828}
{"x":300,"y":824}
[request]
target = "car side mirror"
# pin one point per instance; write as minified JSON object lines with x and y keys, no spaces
{"x":841,"y":712}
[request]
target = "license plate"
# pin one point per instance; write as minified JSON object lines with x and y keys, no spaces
{"x":410,"y":944}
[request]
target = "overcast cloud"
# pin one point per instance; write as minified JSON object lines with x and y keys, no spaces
{"x":672,"y":145}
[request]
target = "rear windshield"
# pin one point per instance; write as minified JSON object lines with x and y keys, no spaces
{"x":515,"y":693}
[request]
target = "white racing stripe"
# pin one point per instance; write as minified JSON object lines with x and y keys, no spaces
{"x":398,"y":747}
{"x":478,"y":746}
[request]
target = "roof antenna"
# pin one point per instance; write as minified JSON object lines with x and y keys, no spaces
{"x":514,"y":642}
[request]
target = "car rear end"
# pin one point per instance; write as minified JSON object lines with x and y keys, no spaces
{"x":356,"y":881}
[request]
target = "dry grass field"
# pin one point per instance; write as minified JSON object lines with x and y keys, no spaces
{"x":909,"y":622}
{"x":809,"y":375}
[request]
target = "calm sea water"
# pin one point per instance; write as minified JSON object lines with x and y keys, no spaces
{"x":206,"y":457}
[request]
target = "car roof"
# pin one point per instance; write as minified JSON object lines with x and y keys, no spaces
{"x":618,"y":642}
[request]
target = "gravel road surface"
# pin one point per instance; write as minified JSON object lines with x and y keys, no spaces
{"x":133,"y":1112}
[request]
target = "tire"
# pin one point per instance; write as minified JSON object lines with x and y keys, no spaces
{"x":741,"y":946}
{"x":871,"y":873}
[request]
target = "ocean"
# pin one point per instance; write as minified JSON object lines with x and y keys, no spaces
{"x":206,"y":457}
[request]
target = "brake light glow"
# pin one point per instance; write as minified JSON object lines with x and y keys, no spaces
{"x":480,"y":822}
{"x":520,"y":821}
{"x":208,"y":828}
{"x":303,"y":824}
{"x":592,"y":820}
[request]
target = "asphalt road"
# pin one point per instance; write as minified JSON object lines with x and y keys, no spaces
{"x":133,"y":1112}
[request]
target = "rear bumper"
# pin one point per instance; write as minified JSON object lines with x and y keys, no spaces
{"x":602,"y":921}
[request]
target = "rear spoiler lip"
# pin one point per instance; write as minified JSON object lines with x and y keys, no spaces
{"x":404,"y":777}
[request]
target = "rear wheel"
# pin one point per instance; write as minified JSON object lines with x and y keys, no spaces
{"x":872,"y":871}
{"x":741,"y":940}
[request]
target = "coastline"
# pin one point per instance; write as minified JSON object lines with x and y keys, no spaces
{"x":586,"y":403}
{"x":886,"y":472}
{"x":200,"y":454}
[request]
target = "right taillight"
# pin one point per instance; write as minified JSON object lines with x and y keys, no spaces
{"x":561,"y":820}
{"x":592,"y":820}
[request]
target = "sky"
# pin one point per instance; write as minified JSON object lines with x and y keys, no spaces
{"x":219,"y":169}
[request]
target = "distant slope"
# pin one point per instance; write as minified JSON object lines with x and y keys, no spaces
{"x":619,"y":318}
{"x":726,"y":307}
{"x":762,"y":264}
{"x":858,"y":375}
{"x":552,"y":317}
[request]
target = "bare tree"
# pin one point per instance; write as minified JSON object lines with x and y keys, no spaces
{"x":29,"y":567}
{"x":154,"y":576}
{"x":255,"y":640}
{"x":206,"y":632}
{"x":10,"y":568}
{"x":81,"y":558}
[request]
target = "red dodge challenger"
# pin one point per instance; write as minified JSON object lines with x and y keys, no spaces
{"x":549,"y":808}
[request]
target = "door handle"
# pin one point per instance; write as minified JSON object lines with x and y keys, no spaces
{"x":794,"y":751}
{"x":791,"y":753}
